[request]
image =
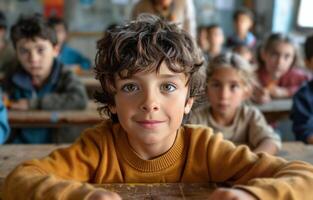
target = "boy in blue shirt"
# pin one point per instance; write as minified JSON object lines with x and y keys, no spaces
{"x":243,"y":22}
{"x":40,"y":82}
{"x":302,"y":108}
{"x":67,"y":55}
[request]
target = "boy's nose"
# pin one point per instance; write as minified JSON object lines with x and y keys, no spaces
{"x":33,"y":57}
{"x":224,"y":93}
{"x":149,"y":103}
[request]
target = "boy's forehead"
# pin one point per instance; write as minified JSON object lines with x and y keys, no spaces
{"x":163,"y":71}
{"x":32,"y":41}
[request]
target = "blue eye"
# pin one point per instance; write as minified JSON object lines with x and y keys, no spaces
{"x":168,"y":87}
{"x":130,"y":87}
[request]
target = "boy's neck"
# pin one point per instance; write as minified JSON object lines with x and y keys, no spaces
{"x":38,"y":81}
{"x":214,"y":50}
{"x":151,"y":151}
{"x":223,"y":120}
{"x":242,"y":34}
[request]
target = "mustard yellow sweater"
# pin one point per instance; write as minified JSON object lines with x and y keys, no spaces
{"x":103,"y":155}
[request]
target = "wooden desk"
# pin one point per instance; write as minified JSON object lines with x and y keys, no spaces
{"x":54,"y":119}
{"x":276,"y":110}
{"x":12,"y":155}
{"x":169,"y":191}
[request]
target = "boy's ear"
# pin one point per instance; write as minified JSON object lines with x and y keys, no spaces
{"x":188,"y":105}
{"x":112,"y":109}
{"x":56,"y":49}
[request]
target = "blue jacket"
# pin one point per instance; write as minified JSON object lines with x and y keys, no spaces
{"x":70,"y":56}
{"x":62,"y":91}
{"x":4,"y":125}
{"x":302,"y":112}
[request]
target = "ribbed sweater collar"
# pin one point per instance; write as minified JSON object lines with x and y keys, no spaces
{"x":164,"y":161}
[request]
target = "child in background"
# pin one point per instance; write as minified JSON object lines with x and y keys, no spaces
{"x":202,"y":38}
{"x":40,"y":82}
{"x":230,"y":80}
{"x":215,"y":36}
{"x":148,"y":73}
{"x":243,"y":22}
{"x":277,"y":71}
{"x":68,"y":56}
{"x":245,"y":52}
{"x":302,"y":108}
{"x":4,"y":125}
{"x":6,"y":50}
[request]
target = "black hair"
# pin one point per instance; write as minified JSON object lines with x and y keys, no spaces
{"x":30,"y":27}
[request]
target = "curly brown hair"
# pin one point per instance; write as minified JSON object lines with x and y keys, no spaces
{"x":142,"y":45}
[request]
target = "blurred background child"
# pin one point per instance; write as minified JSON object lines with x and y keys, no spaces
{"x":277,"y":69}
{"x":215,"y":37}
{"x":40,"y":82}
{"x":243,"y":22}
{"x":302,"y":108}
{"x":229,"y":82}
{"x":245,"y":52}
{"x":69,"y":56}
{"x":6,"y":50}
{"x":179,"y":11}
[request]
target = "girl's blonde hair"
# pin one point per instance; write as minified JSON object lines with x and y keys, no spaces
{"x":233,"y":61}
{"x":269,"y":44}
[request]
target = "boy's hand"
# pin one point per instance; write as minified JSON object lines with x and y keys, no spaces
{"x":104,"y":195}
{"x":231,"y":194}
{"x":261,"y":95}
{"x":279,"y":92}
{"x":21,"y":104}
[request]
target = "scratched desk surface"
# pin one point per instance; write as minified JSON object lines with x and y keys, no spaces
{"x":160,"y":191}
{"x":12,"y":155}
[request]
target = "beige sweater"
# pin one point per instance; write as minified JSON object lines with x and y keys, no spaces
{"x":248,"y":127}
{"x":103,"y":155}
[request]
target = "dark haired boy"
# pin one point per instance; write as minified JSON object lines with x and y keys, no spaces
{"x":243,"y":22}
{"x":40,"y":82}
{"x":302,"y":108}
{"x":148,"y":72}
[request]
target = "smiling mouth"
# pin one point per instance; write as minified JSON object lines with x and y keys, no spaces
{"x":150,"y":123}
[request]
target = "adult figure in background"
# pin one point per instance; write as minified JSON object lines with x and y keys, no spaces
{"x":180,"y":11}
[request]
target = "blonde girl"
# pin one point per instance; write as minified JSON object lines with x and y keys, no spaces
{"x":229,"y":83}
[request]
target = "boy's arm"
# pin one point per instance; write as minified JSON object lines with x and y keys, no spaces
{"x":71,"y":96}
{"x":268,"y":146}
{"x":64,"y":174}
{"x":4,"y":125}
{"x":302,"y":116}
{"x":262,"y":175}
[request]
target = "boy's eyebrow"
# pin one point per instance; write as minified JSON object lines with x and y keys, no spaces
{"x":159,"y":75}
